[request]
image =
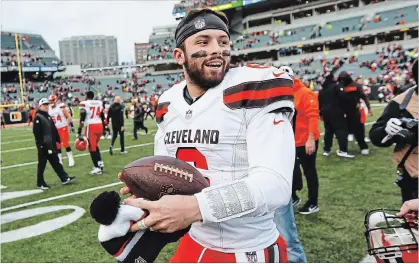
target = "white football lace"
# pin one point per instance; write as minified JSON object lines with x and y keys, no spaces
{"x":176,"y":171}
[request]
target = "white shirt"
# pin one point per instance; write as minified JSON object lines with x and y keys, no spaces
{"x":93,"y":109}
{"x":57,"y":115}
{"x":246,"y":150}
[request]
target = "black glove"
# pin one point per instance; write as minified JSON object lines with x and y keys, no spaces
{"x":80,"y":137}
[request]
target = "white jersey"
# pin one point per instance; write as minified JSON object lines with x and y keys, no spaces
{"x":239,"y":135}
{"x":93,"y":110}
{"x":106,"y":110}
{"x":57,"y":115}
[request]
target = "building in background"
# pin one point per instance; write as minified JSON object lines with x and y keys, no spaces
{"x":89,"y":51}
{"x":141,"y":51}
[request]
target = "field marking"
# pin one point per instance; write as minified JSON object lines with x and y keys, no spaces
{"x":17,"y":141}
{"x":19,"y":149}
{"x":11,"y":195}
{"x":59,"y":197}
{"x":75,"y":156}
{"x":368,"y":259}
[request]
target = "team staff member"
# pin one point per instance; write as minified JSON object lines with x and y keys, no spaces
{"x":116,"y":113}
{"x":46,"y":138}
{"x":333,"y":116}
{"x":307,"y":136}
{"x":139,"y":120}
{"x":385,"y":132}
{"x":351,"y":95}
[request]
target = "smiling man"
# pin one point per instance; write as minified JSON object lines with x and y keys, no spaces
{"x":234,"y":126}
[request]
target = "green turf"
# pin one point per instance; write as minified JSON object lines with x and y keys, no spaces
{"x":348,"y":189}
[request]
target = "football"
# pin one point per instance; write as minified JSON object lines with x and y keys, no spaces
{"x":152,"y":177}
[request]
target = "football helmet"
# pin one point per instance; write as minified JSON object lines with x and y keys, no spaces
{"x":53,"y":98}
{"x":391,"y":238}
{"x":288,"y":70}
{"x":81,"y":144}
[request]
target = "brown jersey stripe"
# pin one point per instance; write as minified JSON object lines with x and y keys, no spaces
{"x":258,"y":103}
{"x":258,"y":94}
{"x":258,"y":86}
{"x":161,"y":110}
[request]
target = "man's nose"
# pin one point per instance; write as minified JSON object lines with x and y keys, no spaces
{"x":215,"y":48}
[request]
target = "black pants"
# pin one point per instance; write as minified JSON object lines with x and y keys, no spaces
{"x":53,"y":159}
{"x":139,"y":125}
{"x":408,"y":187}
{"x":148,"y":114}
{"x":338,"y":127}
{"x":355,"y":127}
{"x":308,"y":162}
{"x":115,"y":131}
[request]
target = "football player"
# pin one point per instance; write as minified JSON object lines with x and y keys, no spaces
{"x":62,"y":119}
{"x":91,"y":116}
{"x":106,"y":129}
{"x":235,"y":127}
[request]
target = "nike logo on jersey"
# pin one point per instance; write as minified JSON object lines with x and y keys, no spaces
{"x":277,"y":122}
{"x":278,"y":74}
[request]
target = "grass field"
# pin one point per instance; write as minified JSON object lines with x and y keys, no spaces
{"x":348,"y":189}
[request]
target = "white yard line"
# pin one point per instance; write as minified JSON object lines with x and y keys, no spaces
{"x":59,"y":197}
{"x":19,"y":149}
{"x":75,"y":156}
{"x":17,"y":141}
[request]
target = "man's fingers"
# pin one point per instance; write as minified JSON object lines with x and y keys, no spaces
{"x":140,"y":203}
{"x":124,"y":190}
{"x":404,"y":210}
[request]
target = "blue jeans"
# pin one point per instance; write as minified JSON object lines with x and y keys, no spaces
{"x":285,"y":223}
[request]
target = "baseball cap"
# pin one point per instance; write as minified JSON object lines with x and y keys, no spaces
{"x":43,"y":101}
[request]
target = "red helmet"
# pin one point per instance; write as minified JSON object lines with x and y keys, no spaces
{"x":53,"y":98}
{"x":81,"y":144}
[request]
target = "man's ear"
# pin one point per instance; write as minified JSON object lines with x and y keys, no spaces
{"x":179,"y":56}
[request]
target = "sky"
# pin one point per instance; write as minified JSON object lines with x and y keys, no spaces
{"x":128,"y":21}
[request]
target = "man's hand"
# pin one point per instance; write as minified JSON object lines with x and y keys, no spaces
{"x":370,"y":113}
{"x":393,"y":126}
{"x":310,"y":146}
{"x":411,"y":205}
{"x":122,"y":129}
{"x":169,"y":214}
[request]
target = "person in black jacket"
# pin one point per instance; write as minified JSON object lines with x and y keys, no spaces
{"x":116,"y":114}
{"x":46,"y":139}
{"x":389,"y":130}
{"x":333,"y":117}
{"x":139,"y":120}
{"x":351,"y":93}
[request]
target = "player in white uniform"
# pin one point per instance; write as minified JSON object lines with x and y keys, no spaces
{"x":62,"y":119}
{"x":235,"y":127}
{"x":91,"y":116}
{"x":106,"y":129}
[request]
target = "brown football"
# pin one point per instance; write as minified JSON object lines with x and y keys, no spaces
{"x":152,"y":177}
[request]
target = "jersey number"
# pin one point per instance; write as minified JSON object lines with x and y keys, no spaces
{"x":95,"y":112}
{"x":55,"y":119}
{"x":193,"y":155}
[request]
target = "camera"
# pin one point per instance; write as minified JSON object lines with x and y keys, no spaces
{"x":410,"y":130}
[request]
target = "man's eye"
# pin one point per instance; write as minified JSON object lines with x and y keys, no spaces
{"x":202,"y":42}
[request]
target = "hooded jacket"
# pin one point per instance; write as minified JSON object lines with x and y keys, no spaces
{"x":351,"y":93}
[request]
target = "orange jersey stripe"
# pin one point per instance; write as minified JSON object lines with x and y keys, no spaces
{"x":350,"y":89}
{"x":121,"y":249}
{"x":258,"y":95}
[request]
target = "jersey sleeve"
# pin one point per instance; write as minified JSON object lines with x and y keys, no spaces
{"x":161,"y":111}
{"x":271,"y":157}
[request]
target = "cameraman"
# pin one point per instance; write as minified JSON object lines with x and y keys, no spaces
{"x":391,"y":128}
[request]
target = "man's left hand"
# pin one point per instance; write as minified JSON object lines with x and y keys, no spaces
{"x":169,"y":214}
{"x":122,"y":129}
{"x":370,"y":113}
{"x":310,"y":146}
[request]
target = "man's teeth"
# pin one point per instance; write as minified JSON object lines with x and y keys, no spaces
{"x":217,"y":64}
